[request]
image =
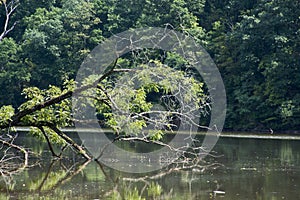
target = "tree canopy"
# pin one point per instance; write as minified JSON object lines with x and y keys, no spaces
{"x":254,"y":43}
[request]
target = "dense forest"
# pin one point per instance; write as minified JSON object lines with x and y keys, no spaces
{"x":254,"y":43}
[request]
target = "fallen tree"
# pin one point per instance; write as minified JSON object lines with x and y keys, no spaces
{"x":140,"y":96}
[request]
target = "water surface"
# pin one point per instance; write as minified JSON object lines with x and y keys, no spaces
{"x":247,"y":169}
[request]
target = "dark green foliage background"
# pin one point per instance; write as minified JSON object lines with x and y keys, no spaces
{"x":255,"y":44}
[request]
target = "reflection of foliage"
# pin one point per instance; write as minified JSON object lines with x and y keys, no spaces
{"x":67,"y":180}
{"x":132,"y":194}
{"x":4,"y":197}
{"x":154,"y":190}
{"x":92,"y":172}
{"x":49,"y":183}
{"x":128,"y":191}
{"x":286,"y":155}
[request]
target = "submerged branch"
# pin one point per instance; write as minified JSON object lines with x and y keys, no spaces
{"x":10,"y":162}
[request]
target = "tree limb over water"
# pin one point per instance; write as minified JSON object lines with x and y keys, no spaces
{"x":139,"y":97}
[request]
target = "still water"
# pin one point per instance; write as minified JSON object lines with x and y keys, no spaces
{"x":247,"y":169}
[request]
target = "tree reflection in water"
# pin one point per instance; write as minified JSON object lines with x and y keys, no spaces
{"x":254,"y":169}
{"x":66,"y":179}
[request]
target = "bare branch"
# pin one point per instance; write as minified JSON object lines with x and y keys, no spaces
{"x":9,"y":10}
{"x":78,"y":148}
{"x":48,"y":141}
{"x":10,"y":162}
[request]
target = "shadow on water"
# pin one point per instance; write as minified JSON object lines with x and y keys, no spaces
{"x":252,"y":169}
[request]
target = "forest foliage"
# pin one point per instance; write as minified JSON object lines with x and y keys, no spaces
{"x":254,"y":43}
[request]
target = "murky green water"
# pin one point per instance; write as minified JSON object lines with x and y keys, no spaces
{"x":251,"y":169}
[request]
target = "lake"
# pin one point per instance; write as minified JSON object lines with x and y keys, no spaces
{"x":246,"y":168}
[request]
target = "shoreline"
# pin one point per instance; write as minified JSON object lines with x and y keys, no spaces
{"x":225,"y":134}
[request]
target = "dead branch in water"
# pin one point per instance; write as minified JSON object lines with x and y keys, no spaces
{"x":10,"y":162}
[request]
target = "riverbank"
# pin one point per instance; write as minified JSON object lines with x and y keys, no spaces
{"x":249,"y":135}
